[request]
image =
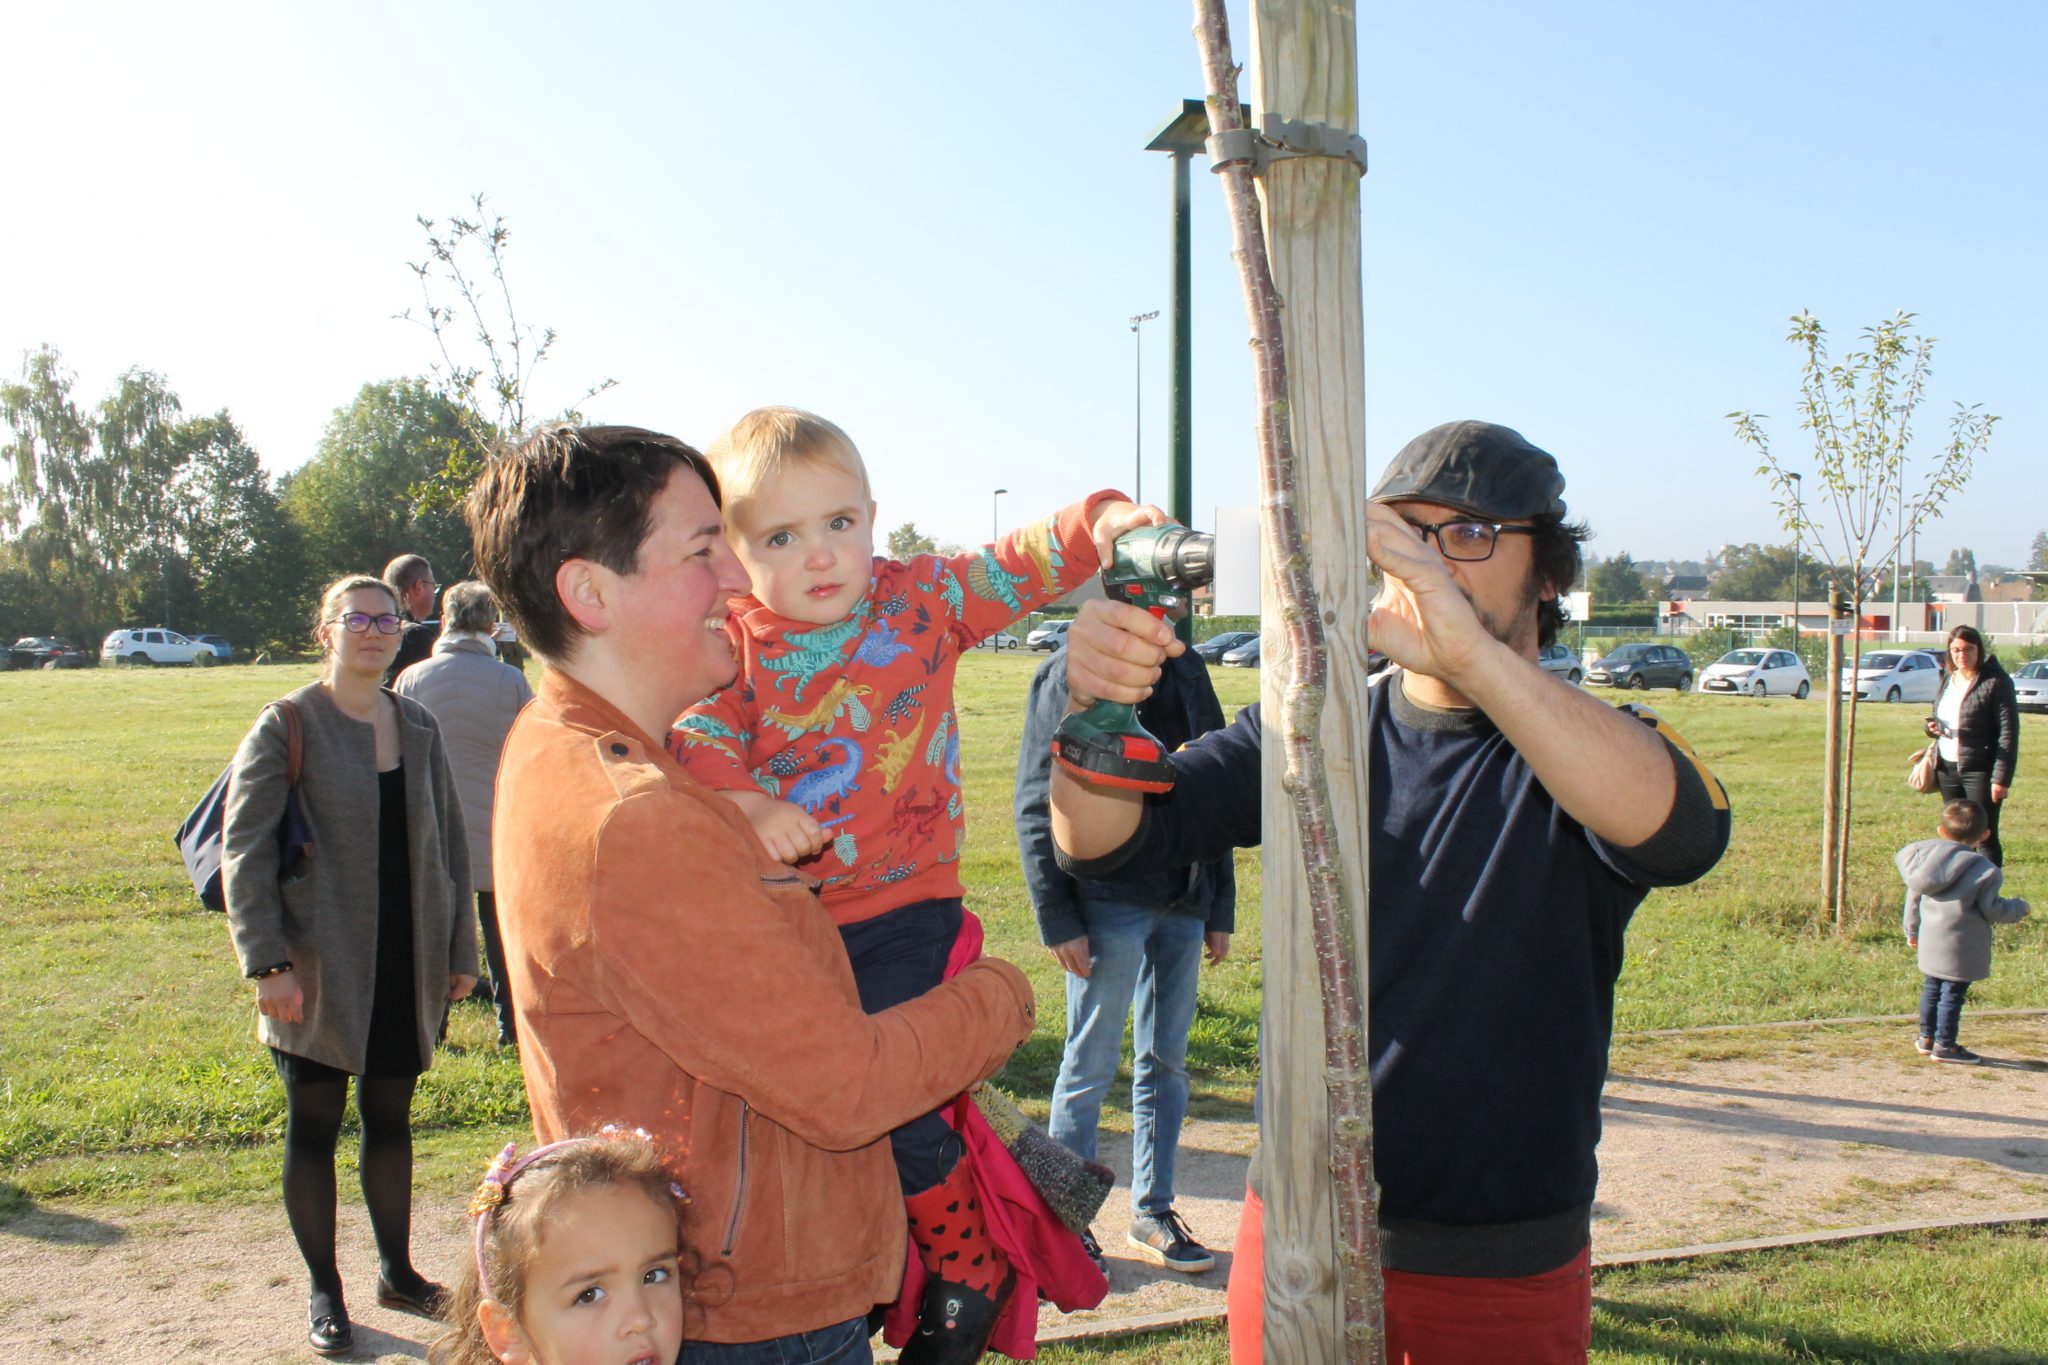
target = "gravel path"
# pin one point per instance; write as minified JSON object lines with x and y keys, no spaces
{"x":1839,"y":1129}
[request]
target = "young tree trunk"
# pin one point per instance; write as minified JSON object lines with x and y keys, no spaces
{"x":1848,"y":781}
{"x":1831,"y":766}
{"x":1322,"y":1286}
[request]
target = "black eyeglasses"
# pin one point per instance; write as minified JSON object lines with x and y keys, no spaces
{"x":1469,"y":541}
{"x":359,"y":623}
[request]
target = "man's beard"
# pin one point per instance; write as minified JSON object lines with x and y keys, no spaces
{"x":1518,"y":632}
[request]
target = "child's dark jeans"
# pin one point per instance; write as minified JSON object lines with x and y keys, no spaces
{"x":897,"y":956}
{"x":1941,"y":1008}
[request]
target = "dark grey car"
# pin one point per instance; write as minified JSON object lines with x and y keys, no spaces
{"x":1643,"y":665}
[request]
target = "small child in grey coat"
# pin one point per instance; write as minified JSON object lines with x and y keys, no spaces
{"x":1952,"y":901}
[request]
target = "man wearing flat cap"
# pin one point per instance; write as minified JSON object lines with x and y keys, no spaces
{"x":1517,"y":822}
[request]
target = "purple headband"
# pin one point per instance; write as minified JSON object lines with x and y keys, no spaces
{"x":508,"y":1167}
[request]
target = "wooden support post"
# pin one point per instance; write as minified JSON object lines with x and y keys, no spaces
{"x":1322,"y":1289}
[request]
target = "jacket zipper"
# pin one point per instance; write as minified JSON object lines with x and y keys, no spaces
{"x":739,"y":1195}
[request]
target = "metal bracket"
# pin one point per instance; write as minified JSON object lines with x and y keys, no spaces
{"x":1279,"y":139}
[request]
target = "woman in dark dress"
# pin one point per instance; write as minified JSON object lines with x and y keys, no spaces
{"x":355,"y":960}
{"x":1976,"y":729}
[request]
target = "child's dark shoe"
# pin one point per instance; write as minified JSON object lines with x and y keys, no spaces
{"x":954,"y":1322}
{"x":1923,"y":1045}
{"x":1954,"y":1052}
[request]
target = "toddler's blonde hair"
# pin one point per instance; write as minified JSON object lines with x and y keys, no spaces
{"x":769,"y":442}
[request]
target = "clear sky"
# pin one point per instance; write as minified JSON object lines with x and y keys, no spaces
{"x":931,"y":222}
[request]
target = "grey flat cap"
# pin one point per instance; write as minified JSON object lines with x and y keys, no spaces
{"x":1477,"y":467}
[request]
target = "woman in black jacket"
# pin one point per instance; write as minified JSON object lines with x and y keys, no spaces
{"x":1976,"y":726}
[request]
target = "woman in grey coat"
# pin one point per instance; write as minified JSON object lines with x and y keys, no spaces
{"x":355,"y":961}
{"x":475,"y":699}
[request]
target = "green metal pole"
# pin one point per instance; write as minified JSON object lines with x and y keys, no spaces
{"x":1180,"y":477}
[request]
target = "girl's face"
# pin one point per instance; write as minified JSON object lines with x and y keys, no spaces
{"x":808,"y":543}
{"x":369,"y":650}
{"x":1963,"y":654}
{"x":604,"y":1288}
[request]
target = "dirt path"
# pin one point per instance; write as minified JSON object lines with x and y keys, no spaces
{"x":1832,"y":1130}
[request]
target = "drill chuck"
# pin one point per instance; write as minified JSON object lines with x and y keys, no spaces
{"x":1186,"y":559}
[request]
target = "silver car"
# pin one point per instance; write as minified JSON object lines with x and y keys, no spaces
{"x":1559,"y":662}
{"x":1896,"y":675}
{"x":2030,"y":685}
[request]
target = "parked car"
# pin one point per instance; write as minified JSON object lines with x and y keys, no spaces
{"x":1048,"y":637}
{"x":1245,"y":655}
{"x":46,"y":651}
{"x":1001,"y":640}
{"x":1896,"y":675}
{"x":219,"y":644}
{"x":1759,"y":672}
{"x":1558,"y":661}
{"x":1643,"y":665}
{"x":1212,"y":650}
{"x":155,"y":645}
{"x":2030,"y":685}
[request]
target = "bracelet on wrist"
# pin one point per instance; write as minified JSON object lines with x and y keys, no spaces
{"x":278,"y":969}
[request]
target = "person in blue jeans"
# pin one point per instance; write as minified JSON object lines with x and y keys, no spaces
{"x":1129,"y":949}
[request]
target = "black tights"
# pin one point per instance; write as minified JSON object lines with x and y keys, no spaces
{"x":312,"y":1127}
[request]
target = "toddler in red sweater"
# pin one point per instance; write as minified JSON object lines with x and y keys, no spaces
{"x":839,"y":741}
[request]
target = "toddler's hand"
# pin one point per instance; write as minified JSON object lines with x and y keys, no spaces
{"x":1112,"y":519}
{"x":789,"y":831}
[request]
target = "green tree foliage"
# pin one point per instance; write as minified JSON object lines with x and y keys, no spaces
{"x":1960,"y":562}
{"x":1763,"y":573}
{"x":135,"y":513}
{"x":354,"y":502}
{"x":906,"y":540}
{"x":1617,"y":580}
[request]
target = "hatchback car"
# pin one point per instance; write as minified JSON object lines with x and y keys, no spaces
{"x":218,"y":644}
{"x":1212,"y":650}
{"x":1643,"y":665}
{"x":1048,"y":637}
{"x":2030,"y":685}
{"x":1896,"y":675}
{"x":1001,"y":640}
{"x":155,"y":645}
{"x":1558,"y":661}
{"x":1245,"y":655}
{"x":1759,"y":672}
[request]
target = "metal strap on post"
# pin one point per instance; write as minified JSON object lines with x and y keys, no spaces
{"x":1279,"y":139}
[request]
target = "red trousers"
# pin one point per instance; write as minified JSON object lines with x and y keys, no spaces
{"x":1542,"y":1319}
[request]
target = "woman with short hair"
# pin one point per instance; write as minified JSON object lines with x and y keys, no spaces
{"x":476,"y":699}
{"x":356,"y":959}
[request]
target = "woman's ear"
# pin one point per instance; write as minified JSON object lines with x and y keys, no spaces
{"x":581,"y":586}
{"x":503,"y":1334}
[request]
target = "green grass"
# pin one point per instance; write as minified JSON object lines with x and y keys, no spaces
{"x":127,"y":1061}
{"x":1941,"y":1298}
{"x":129,"y":1071}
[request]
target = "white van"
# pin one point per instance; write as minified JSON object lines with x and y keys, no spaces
{"x":155,"y":645}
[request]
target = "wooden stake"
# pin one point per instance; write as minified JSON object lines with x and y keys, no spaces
{"x":1322,"y":1289}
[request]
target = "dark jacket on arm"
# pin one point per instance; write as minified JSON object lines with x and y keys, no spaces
{"x":1183,"y":707}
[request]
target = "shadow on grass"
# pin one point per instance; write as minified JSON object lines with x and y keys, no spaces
{"x":1660,"y":1332}
{"x":19,"y":1217}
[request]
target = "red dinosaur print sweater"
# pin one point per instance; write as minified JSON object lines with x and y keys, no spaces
{"x":854,"y":721}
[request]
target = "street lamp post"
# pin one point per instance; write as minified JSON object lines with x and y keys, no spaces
{"x":1138,"y":422}
{"x":995,"y":516}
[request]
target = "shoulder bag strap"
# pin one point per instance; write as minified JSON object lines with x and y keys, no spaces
{"x":295,"y":740}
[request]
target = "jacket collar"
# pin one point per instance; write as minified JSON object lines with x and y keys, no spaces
{"x":463,"y":644}
{"x":584,"y":709}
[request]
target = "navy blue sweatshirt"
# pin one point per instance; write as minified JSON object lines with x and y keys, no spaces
{"x":1496,"y":940}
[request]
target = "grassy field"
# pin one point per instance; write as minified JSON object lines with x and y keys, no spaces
{"x":128,"y":1070}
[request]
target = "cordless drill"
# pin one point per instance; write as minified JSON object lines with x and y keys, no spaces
{"x":1155,"y":567}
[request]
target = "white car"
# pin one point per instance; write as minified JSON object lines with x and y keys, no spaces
{"x":1001,"y":640}
{"x":2030,"y":685}
{"x":155,"y":645}
{"x":1759,"y":672}
{"x":1896,"y":675}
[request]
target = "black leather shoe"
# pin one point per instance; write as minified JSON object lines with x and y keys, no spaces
{"x":426,"y":1299}
{"x":331,"y":1335}
{"x":954,"y":1322}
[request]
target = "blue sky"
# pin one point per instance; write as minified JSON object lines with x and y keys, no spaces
{"x":931,"y":222}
